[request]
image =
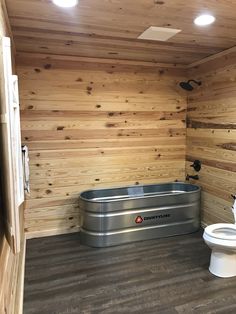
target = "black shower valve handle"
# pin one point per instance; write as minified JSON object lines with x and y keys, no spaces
{"x":233,"y":196}
{"x":196,"y":177}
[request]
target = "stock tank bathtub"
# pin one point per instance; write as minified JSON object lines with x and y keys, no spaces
{"x":121,"y":215}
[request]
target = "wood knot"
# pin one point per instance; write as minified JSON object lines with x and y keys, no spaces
{"x":60,"y":128}
{"x":47,"y":66}
{"x":110,"y":125}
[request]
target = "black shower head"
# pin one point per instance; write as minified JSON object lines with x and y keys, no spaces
{"x":187,"y":86}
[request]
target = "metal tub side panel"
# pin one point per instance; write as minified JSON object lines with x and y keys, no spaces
{"x":96,"y":239}
{"x":148,"y":216}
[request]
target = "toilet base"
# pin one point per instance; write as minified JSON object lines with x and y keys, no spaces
{"x":223,"y":264}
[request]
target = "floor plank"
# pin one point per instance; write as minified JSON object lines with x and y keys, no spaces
{"x":157,"y":276}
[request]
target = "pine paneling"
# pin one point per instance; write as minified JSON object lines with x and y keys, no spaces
{"x":91,"y":125}
{"x":211,"y":136}
{"x":110,"y":29}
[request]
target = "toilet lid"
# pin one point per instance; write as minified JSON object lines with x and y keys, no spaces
{"x":222,"y":231}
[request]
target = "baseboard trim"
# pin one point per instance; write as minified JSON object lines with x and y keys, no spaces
{"x":48,"y":233}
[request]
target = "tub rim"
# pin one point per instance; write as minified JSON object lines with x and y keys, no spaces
{"x":138,"y":197}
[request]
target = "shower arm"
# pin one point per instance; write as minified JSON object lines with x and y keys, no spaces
{"x":196,"y":82}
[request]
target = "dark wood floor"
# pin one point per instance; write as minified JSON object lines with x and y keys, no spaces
{"x":158,"y":276}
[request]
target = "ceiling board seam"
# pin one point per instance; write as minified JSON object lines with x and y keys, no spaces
{"x":104,"y":60}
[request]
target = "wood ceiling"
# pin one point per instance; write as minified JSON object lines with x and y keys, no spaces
{"x":109,"y":28}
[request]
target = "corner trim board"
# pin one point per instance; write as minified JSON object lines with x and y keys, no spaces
{"x":212,"y":57}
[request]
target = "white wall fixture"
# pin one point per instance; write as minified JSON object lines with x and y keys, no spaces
{"x":234,"y":208}
{"x":204,"y":20}
{"x":26,"y":169}
{"x":65,"y":3}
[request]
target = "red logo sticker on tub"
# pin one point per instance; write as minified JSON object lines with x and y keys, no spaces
{"x":139,"y":220}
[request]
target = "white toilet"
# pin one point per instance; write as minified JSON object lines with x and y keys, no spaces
{"x":221,"y":238}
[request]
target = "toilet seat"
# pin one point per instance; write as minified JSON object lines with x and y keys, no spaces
{"x":222,"y":231}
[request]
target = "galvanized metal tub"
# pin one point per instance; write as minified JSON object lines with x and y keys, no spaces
{"x":120,"y":215}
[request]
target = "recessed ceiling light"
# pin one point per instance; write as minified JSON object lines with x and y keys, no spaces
{"x":205,"y":19}
{"x":65,"y":3}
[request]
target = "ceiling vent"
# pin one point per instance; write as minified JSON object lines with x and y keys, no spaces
{"x":159,"y":33}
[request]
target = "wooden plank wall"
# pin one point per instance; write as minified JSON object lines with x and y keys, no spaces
{"x":92,"y":125}
{"x":211,"y":135}
{"x":11,"y":266}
